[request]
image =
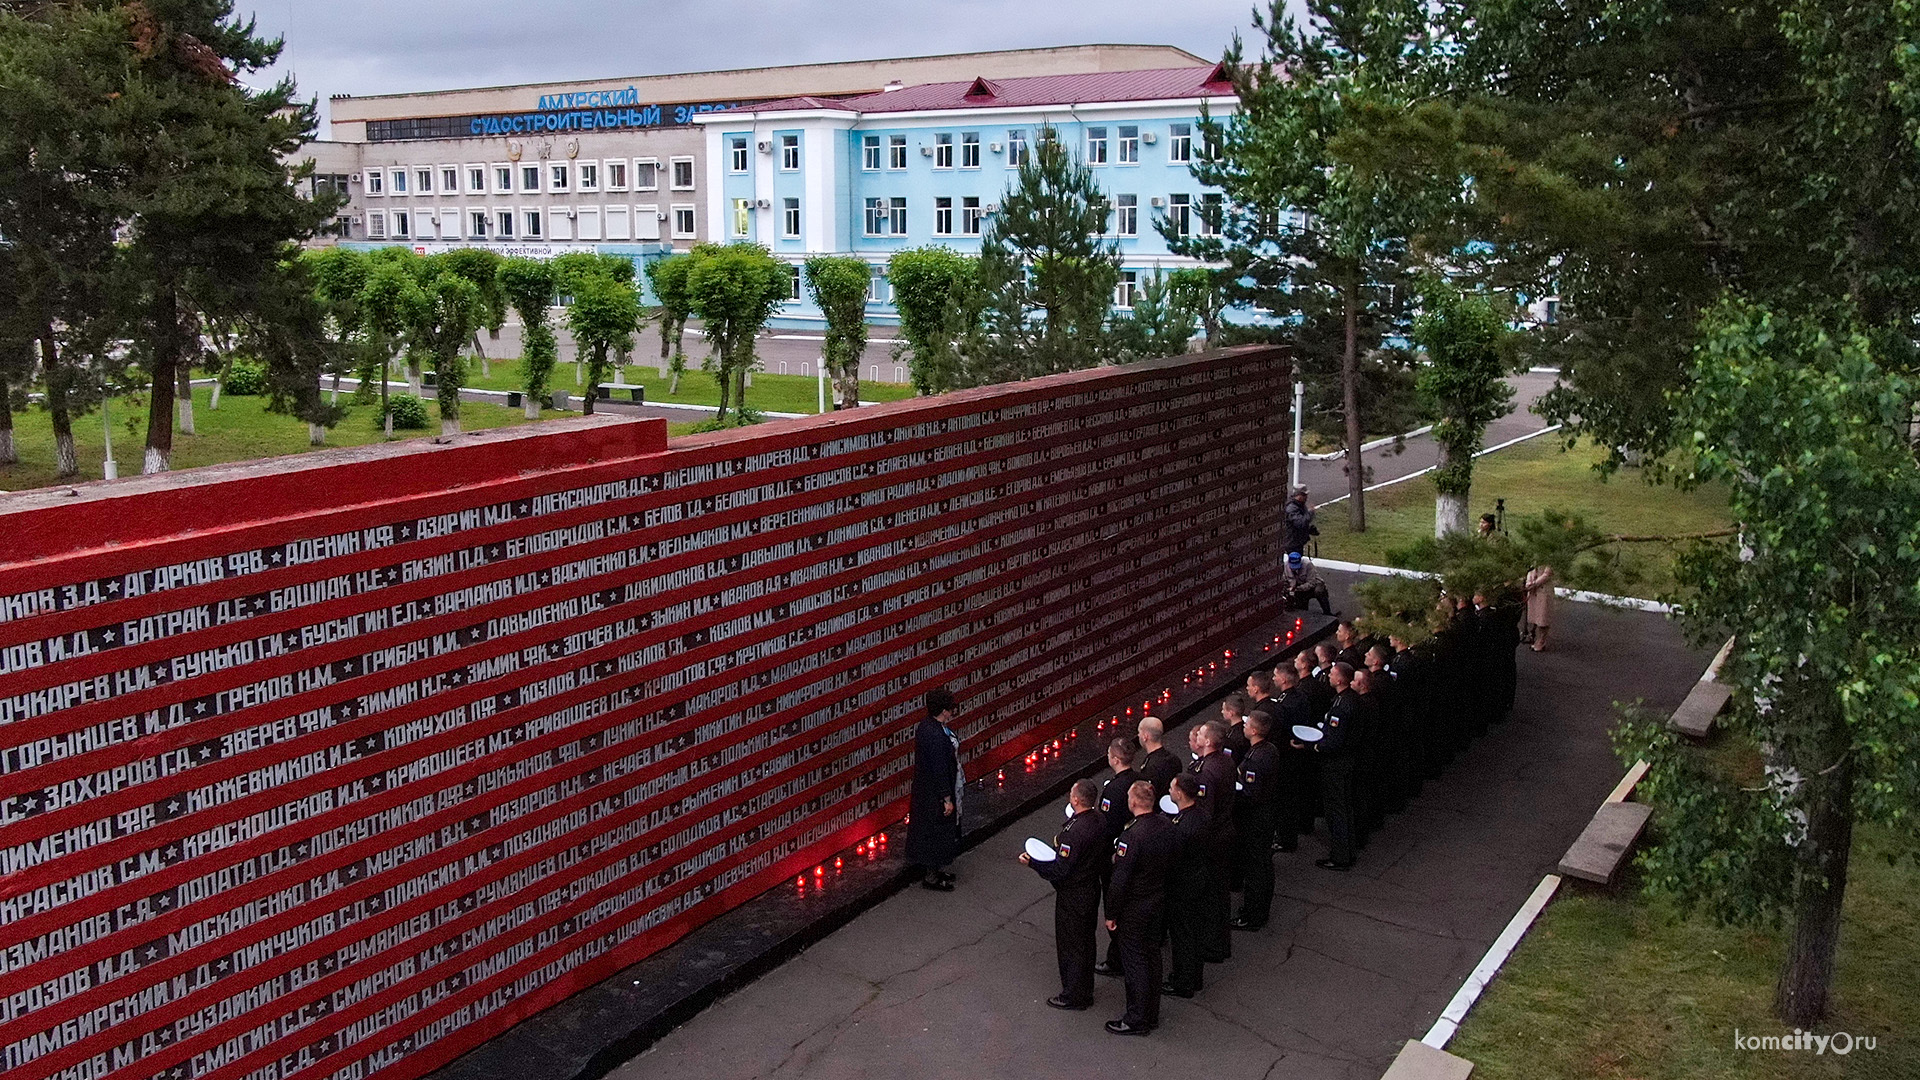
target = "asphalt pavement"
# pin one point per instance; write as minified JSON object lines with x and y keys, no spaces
{"x":953,"y":985}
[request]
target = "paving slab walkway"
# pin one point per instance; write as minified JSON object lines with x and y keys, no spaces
{"x":953,"y":985}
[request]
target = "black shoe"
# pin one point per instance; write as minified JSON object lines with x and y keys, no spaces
{"x":1111,"y":971}
{"x":1243,"y":924}
{"x":1329,"y":864}
{"x":1062,"y":1002}
{"x":1121,"y":1027}
{"x":937,"y":884}
{"x":945,"y":876}
{"x":1286,"y":849}
{"x":1171,"y":991}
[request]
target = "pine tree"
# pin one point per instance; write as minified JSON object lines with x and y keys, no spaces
{"x":1317,"y":224}
{"x":1046,"y":277}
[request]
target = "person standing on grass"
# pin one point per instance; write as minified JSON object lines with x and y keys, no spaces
{"x":1300,"y":527}
{"x":933,"y":836}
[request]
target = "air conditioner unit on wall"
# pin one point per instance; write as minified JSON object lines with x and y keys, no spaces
{"x":766,"y":146}
{"x":1156,"y":201}
{"x":991,"y":208}
{"x":1149,"y":138}
{"x":926,"y":151}
{"x":995,"y":147}
{"x":764,"y":204}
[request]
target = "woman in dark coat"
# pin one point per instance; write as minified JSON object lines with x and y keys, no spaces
{"x":933,"y":835}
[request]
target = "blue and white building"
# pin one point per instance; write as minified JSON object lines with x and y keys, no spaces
{"x":928,"y":164}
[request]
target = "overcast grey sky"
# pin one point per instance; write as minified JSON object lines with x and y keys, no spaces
{"x":390,"y":46}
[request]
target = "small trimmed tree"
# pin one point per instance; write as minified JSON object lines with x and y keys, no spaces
{"x":937,"y":293}
{"x":1464,"y":385}
{"x":838,"y":284}
{"x":602,"y":319}
{"x":482,"y":267}
{"x":390,"y":304}
{"x":668,"y":276}
{"x":527,"y":284}
{"x":444,"y":324}
{"x":1160,"y":324}
{"x":735,"y":290}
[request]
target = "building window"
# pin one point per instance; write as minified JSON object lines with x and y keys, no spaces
{"x":742,"y":216}
{"x":682,"y":222}
{"x":1096,"y":146}
{"x":616,"y":176}
{"x":560,"y":176}
{"x":1016,"y":148}
{"x":502,"y":179}
{"x":1212,"y":207}
{"x":1180,"y":143}
{"x":737,"y":153}
{"x":423,"y":181}
{"x":646,"y":175}
{"x":1128,"y":152}
{"x":877,"y":290}
{"x":870,"y":152}
{"x":896,"y":151}
{"x":477,"y":224}
{"x":476,"y":179}
{"x":529,"y":178}
{"x":897,"y":210}
{"x":1126,"y":215}
{"x":790,"y":217}
{"x":377,"y":225}
{"x":793,"y":293}
{"x":503,"y":225}
{"x":876,"y":220}
{"x":943,"y":216}
{"x":589,"y":176}
{"x":1123,"y":293}
{"x":531,"y":223}
{"x":376,"y":182}
{"x":683,"y":174}
{"x":970,"y":215}
{"x":943,"y":150}
{"x":399,"y":181}
{"x":449,"y":179}
{"x":790,"y":152}
{"x":969,"y":149}
{"x":401,"y":224}
{"x":1180,"y":214}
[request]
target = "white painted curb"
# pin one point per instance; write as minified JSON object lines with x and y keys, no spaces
{"x":1489,"y":966}
{"x":1633,"y":602}
{"x":1477,"y":453}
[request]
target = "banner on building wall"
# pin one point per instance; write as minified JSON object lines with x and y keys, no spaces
{"x":333,"y":766}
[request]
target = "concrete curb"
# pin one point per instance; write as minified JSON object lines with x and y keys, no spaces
{"x":1477,"y":453}
{"x":1634,"y":603}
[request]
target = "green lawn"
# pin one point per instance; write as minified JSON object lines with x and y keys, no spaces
{"x":1531,"y":477}
{"x":769,"y":393}
{"x":1610,"y":986}
{"x":240,"y":430}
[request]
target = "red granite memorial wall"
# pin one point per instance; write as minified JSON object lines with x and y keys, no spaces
{"x":333,"y":766}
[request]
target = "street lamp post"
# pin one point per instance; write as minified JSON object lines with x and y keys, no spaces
{"x":1299,"y":401}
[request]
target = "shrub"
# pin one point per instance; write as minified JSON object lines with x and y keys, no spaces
{"x":245,"y":378}
{"x":408,"y":411}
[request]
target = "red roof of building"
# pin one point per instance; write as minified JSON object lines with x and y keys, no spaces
{"x":1153,"y":84}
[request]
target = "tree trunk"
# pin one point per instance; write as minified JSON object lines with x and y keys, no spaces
{"x":316,"y":435}
{"x":9,"y":454}
{"x":449,"y":425}
{"x":1820,"y":885}
{"x":166,"y":367}
{"x":336,"y":389}
{"x":414,"y":383}
{"x":673,"y":385}
{"x":213,"y":399}
{"x":386,"y":407}
{"x":184,"y":393}
{"x":1350,"y":404}
{"x":846,"y":387}
{"x":65,"y":459}
{"x":726,"y":389}
{"x":1450,"y":507}
{"x":533,"y":407}
{"x":740,"y":391}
